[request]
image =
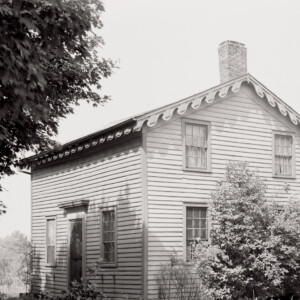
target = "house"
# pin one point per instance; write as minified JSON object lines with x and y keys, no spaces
{"x":127,"y":193}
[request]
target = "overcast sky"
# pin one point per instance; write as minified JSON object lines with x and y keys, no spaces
{"x":167,"y":50}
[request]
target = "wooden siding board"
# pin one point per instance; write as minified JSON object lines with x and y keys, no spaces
{"x":106,"y":179}
{"x":241,"y":129}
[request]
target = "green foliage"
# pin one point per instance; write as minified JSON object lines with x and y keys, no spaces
{"x":49,"y":62}
{"x":255,"y":248}
{"x":178,"y":281}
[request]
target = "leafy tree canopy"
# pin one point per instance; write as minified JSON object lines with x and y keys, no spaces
{"x":49,"y":61}
{"x":255,"y":246}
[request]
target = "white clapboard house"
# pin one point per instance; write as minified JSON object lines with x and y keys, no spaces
{"x":127,"y":193}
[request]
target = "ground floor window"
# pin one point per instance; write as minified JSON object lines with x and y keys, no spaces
{"x":50,"y":241}
{"x":109,"y":236}
{"x":196,"y":228}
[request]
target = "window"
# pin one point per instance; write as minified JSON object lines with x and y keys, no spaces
{"x":283,"y":154}
{"x":196,"y":145}
{"x":109,"y":236}
{"x":196,"y":228}
{"x":50,"y":241}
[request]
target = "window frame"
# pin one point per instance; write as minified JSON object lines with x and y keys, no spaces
{"x":48,"y":218}
{"x":115,"y":263}
{"x":284,"y":133}
{"x":183,"y":132}
{"x":185,"y":206}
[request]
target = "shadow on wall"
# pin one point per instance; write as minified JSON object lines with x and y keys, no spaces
{"x":35,"y":266}
{"x":123,"y":281}
{"x":124,"y":190}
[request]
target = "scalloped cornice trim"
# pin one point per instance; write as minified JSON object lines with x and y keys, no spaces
{"x":55,"y":155}
{"x":165,"y":113}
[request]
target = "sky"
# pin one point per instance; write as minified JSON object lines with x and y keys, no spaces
{"x":167,"y":50}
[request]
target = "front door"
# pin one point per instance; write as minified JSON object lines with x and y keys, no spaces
{"x":75,"y":250}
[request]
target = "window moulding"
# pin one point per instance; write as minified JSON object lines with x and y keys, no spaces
{"x":293,"y":171}
{"x":191,"y":121}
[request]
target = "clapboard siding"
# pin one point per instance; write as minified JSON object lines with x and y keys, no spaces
{"x":108,"y":177}
{"x":241,"y":129}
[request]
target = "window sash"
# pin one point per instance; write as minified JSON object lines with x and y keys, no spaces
{"x":196,"y":228}
{"x":196,"y":145}
{"x":109,"y":236}
{"x":283,"y":154}
{"x":50,"y":241}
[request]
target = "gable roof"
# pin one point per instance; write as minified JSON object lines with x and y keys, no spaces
{"x":165,"y":113}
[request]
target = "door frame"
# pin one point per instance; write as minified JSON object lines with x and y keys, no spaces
{"x":79,"y":214}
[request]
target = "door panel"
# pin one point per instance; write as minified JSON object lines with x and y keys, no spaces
{"x":75,"y":250}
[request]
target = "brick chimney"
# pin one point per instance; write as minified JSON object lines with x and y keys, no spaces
{"x":232,"y":60}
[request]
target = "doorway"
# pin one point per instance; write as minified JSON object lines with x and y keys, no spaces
{"x":75,"y":250}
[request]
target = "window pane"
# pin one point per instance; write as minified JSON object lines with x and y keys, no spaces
{"x":203,"y":213}
{"x":203,"y":224}
{"x":51,"y":255}
{"x":278,"y":150}
{"x":189,"y":223}
{"x":189,"y":140}
{"x":197,"y":141}
{"x":203,"y":131}
{"x":196,"y":223}
{"x":109,"y":252}
{"x":50,"y":232}
{"x":196,"y":212}
{"x":196,"y":130}
{"x":196,"y":233}
{"x":202,"y":142}
{"x":203,"y":234}
{"x":189,"y":234}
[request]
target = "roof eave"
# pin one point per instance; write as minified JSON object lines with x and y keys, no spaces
{"x":98,"y":137}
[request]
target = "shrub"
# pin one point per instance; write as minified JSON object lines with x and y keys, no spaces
{"x":178,"y":281}
{"x":78,"y":290}
{"x":255,"y":248}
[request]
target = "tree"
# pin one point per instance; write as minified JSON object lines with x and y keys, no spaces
{"x":49,"y":62}
{"x":255,"y":248}
{"x":14,"y":259}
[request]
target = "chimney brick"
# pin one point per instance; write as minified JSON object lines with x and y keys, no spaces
{"x":232,"y":60}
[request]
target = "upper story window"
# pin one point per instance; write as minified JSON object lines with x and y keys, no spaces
{"x":50,"y":241}
{"x":196,"y":137}
{"x":109,"y":236}
{"x":196,"y":228}
{"x":283,"y":160}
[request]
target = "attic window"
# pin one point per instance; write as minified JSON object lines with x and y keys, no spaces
{"x":196,"y":143}
{"x":283,"y":159}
